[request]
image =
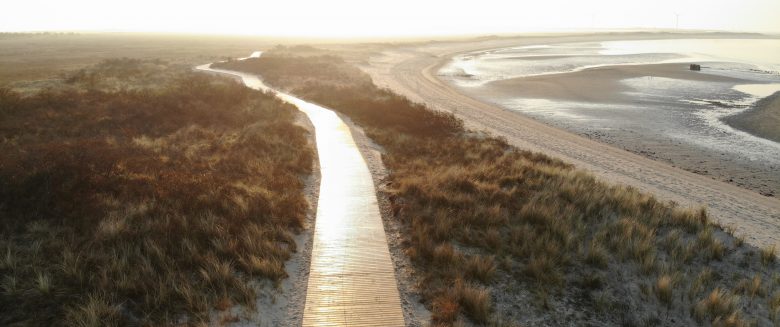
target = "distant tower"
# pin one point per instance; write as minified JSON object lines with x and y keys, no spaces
{"x":676,"y":21}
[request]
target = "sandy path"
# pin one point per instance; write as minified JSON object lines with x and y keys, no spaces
{"x":411,"y":71}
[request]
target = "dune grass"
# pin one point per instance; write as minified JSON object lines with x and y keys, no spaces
{"x":501,"y":235}
{"x":140,"y":193}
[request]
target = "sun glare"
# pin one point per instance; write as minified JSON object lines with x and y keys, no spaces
{"x":345,"y":18}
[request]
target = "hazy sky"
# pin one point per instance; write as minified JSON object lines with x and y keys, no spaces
{"x":344,"y":18}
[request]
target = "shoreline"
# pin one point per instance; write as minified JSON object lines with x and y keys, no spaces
{"x":411,"y":70}
{"x":762,"y":119}
{"x":603,"y":85}
{"x":600,"y":96}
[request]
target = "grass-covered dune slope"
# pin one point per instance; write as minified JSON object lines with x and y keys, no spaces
{"x":140,"y":193}
{"x":502,"y":236}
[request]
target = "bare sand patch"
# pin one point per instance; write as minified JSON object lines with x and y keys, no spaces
{"x":763,"y":120}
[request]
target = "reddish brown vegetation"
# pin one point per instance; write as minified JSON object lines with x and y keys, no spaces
{"x":147,"y":206}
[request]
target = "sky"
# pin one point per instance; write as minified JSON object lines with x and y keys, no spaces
{"x":361,"y":18}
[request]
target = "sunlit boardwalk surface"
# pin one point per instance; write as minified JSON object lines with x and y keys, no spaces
{"x":351,"y":279}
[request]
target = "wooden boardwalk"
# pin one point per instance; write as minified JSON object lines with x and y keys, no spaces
{"x":351,"y":279}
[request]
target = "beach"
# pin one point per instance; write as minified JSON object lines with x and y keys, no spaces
{"x":667,"y":170}
{"x":641,"y":96}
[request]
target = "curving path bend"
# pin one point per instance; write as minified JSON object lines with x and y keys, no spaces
{"x":351,"y":278}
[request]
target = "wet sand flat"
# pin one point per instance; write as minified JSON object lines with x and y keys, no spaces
{"x":601,"y":84}
{"x":603,"y":107}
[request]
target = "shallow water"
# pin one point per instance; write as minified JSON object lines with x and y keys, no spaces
{"x":743,"y":58}
{"x":677,"y":120}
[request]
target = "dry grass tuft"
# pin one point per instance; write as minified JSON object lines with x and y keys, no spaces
{"x":663,"y":289}
{"x":774,"y":307}
{"x":597,"y":255}
{"x":97,"y":311}
{"x":445,"y":309}
{"x":691,"y":221}
{"x":768,"y":254}
{"x":701,"y":282}
{"x":733,"y":320}
{"x":751,"y":287}
{"x":707,"y":243}
{"x":543,"y":269}
{"x":480,"y":268}
{"x":719,"y":306}
{"x":474,"y":300}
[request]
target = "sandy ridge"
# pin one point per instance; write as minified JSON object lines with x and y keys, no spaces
{"x":412,"y":71}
